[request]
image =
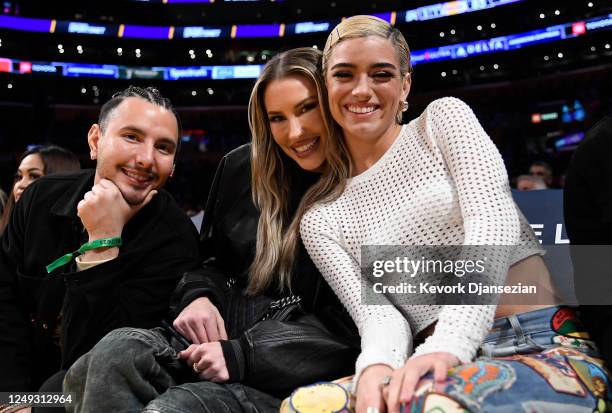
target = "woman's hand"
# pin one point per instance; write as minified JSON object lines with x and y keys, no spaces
{"x":369,"y":388}
{"x":405,"y":379}
{"x":207,"y":361}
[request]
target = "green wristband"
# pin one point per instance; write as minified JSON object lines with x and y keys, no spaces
{"x":88,"y":246}
{"x":100,"y":243}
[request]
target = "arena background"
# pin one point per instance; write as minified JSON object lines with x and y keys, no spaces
{"x":537,"y":73}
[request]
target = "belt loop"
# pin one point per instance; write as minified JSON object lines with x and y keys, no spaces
{"x":518,"y":330}
{"x":485,"y":350}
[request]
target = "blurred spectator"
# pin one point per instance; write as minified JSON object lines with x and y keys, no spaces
{"x":588,"y":216}
{"x":33,"y":164}
{"x":530,"y":183}
{"x":544,"y":171}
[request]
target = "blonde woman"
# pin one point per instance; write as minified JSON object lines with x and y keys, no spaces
{"x":437,"y":181}
{"x":258,"y":318}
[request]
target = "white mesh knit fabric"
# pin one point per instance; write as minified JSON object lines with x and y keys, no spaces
{"x":442,"y":182}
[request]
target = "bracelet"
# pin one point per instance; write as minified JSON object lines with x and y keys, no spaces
{"x":88,"y":246}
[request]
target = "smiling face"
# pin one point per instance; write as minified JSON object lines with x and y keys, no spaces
{"x":30,"y":169}
{"x":295,"y":120}
{"x":365,"y":88}
{"x":136,"y":150}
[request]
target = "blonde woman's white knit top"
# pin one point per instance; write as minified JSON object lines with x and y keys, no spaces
{"x":442,"y":182}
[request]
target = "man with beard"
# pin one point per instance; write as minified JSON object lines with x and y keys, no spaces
{"x":129,"y":240}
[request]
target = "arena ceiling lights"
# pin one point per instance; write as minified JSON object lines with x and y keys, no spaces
{"x":454,"y":51}
{"x":204,"y":1}
{"x":424,"y":13}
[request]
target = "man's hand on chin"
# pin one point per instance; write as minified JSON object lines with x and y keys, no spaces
{"x":104,"y":212}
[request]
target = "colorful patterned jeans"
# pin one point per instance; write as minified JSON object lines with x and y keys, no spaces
{"x":536,"y":362}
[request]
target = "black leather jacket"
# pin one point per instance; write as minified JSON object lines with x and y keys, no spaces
{"x":276,"y":343}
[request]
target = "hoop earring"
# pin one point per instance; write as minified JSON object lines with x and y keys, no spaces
{"x":172,"y":170}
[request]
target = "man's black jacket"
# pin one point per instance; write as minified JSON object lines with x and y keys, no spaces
{"x":159,"y":244}
{"x":316,"y":342}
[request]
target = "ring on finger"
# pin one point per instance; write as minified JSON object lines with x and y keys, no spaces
{"x":385,"y":382}
{"x":195,"y":368}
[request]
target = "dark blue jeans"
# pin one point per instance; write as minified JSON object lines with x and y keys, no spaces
{"x":134,"y":370}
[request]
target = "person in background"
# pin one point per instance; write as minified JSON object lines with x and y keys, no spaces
{"x":530,"y":183}
{"x":544,"y":171}
{"x":34,"y":163}
{"x":588,"y":216}
{"x":93,"y":250}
